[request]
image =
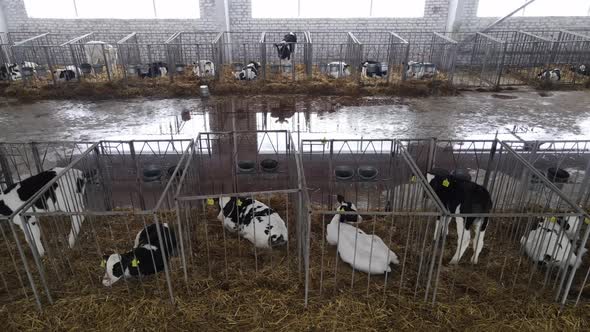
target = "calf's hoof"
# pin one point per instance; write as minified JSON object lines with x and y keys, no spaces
{"x":474,"y":260}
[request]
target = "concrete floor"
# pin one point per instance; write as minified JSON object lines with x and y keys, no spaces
{"x":561,"y":115}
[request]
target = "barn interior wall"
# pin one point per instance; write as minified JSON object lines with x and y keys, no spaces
{"x":439,"y":15}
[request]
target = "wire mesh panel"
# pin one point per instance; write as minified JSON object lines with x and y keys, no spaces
{"x":146,"y":55}
{"x":570,"y":55}
{"x":46,"y":57}
{"x":384,"y":53}
{"x":525,"y":58}
{"x":334,"y":55}
{"x":98,"y":205}
{"x":235,"y":50}
{"x":289,"y":64}
{"x":18,"y":161}
{"x":388,"y":250}
{"x":194,"y":51}
{"x":6,"y":57}
{"x":431,"y":56}
{"x":513,"y":255}
{"x":96,"y":55}
{"x":479,"y":60}
{"x":239,"y":211}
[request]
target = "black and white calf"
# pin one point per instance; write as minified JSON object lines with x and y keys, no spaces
{"x":338,"y":69}
{"x":66,"y":194}
{"x":581,"y":70}
{"x":372,"y":69}
{"x":155,"y":69}
{"x":203,"y":68}
{"x":462,"y":196}
{"x":146,"y":258}
{"x":551,"y":240}
{"x":420,"y":70}
{"x":67,"y":74}
{"x":253,"y":220}
{"x":10,"y":72}
{"x":552,"y":75}
{"x":249,"y":72}
{"x":287,"y":46}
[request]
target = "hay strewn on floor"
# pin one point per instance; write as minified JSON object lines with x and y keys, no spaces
{"x":469,"y":297}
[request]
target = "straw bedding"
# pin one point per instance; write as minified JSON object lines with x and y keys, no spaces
{"x":239,"y":297}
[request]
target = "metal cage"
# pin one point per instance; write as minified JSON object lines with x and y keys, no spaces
{"x":96,"y":56}
{"x":431,"y":56}
{"x":234,"y":50}
{"x":335,"y":54}
{"x":379,"y":178}
{"x":479,"y":60}
{"x":144,"y":54}
{"x":522,"y":197}
{"x":388,"y":49}
{"x":236,"y":164}
{"x":297,"y":67}
{"x":123,"y":182}
{"x":44,"y":56}
{"x":194,"y":52}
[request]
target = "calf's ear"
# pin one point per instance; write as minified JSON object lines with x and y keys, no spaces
{"x":429,"y":176}
{"x":340,"y":198}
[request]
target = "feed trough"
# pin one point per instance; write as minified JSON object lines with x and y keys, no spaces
{"x":557,"y":175}
{"x":367,"y":172}
{"x":171,"y":171}
{"x":151,"y":173}
{"x":180,"y":67}
{"x":246,"y":166}
{"x":462,"y":173}
{"x":343,"y":172}
{"x":269,"y":165}
{"x":86,"y":68}
{"x":97,"y":68}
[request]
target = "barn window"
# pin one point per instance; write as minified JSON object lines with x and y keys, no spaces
{"x":499,"y":8}
{"x":337,"y":8}
{"x":117,"y":9}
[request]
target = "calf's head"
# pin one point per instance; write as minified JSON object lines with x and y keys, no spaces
{"x":114,"y":265}
{"x":345,"y":206}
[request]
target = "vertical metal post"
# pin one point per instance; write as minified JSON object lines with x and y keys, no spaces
{"x":106,"y":63}
{"x":486,"y":178}
{"x":36,"y":157}
{"x":138,"y":177}
{"x":165,"y":260}
{"x":49,"y":64}
{"x":5,"y":166}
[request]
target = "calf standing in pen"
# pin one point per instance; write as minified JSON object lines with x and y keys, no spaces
{"x":146,"y":258}
{"x":551,"y":240}
{"x":66,"y":194}
{"x":287,"y":46}
{"x":253,"y":220}
{"x":462,"y":196}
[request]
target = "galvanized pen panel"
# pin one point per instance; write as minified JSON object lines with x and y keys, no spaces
{"x":42,"y":57}
{"x":234,"y":50}
{"x":97,"y":56}
{"x":334,"y":55}
{"x":381,"y":181}
{"x":260,"y":166}
{"x":479,"y":60}
{"x":295,"y":67}
{"x":195,"y":52}
{"x":431,"y":56}
{"x":523,"y":200}
{"x":388,"y":49}
{"x":144,"y":54}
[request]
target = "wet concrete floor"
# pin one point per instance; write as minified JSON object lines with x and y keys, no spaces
{"x":561,"y":115}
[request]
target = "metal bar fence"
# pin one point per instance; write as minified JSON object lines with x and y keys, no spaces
{"x":246,"y":165}
{"x":375,"y":176}
{"x":147,"y":55}
{"x":45,"y":58}
{"x":234,"y":50}
{"x":523,"y":200}
{"x":194,"y":52}
{"x":100,"y":201}
{"x":386,"y":48}
{"x":334,"y":55}
{"x":96,"y":56}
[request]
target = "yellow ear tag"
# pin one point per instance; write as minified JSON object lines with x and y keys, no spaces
{"x":587,"y":221}
{"x":446,"y":183}
{"x":553,"y":219}
{"x":135,"y":262}
{"x":413,"y":179}
{"x":239,"y":202}
{"x":341,"y":208}
{"x":103,"y":263}
{"x":210,"y":201}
